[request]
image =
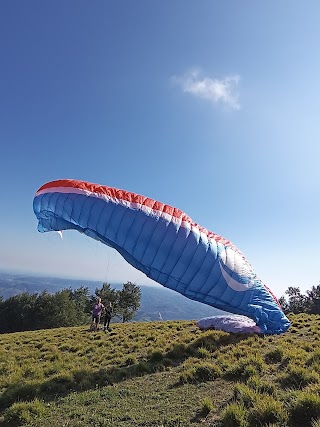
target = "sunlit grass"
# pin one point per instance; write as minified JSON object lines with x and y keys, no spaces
{"x":161,"y":374}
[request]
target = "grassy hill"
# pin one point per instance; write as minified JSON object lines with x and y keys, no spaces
{"x":161,"y":374}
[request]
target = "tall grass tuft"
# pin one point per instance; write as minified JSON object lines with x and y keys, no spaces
{"x":22,"y":413}
{"x":235,"y":415}
{"x":206,"y":406}
{"x":304,"y":409}
{"x":267,"y":410}
{"x":244,"y":395}
{"x":199,"y":372}
{"x":260,"y":386}
{"x":298,"y":377}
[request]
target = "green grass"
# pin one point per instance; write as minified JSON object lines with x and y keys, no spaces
{"x":161,"y":374}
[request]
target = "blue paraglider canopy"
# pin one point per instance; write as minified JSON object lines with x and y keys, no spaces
{"x":164,"y":243}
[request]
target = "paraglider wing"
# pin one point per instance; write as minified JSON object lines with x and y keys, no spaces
{"x":229,"y":323}
{"x":165,"y":244}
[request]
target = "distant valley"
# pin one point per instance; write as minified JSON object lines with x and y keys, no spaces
{"x":157,"y":302}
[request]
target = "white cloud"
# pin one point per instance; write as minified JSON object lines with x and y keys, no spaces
{"x":221,"y":91}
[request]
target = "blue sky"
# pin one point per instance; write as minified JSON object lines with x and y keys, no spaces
{"x":211,"y":106}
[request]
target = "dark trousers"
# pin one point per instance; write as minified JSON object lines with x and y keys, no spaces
{"x":106,"y":321}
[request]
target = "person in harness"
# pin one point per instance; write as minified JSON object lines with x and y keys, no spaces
{"x":107,"y":316}
{"x":96,"y":314}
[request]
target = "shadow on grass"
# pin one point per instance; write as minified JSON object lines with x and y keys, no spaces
{"x":83,"y":380}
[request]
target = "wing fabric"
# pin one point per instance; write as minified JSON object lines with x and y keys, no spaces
{"x":229,"y":323}
{"x":165,"y":244}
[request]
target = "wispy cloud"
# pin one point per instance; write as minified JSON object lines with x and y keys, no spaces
{"x":217,"y":91}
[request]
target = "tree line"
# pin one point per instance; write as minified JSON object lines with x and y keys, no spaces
{"x":25,"y":311}
{"x":296,"y":302}
{"x":68,"y":307}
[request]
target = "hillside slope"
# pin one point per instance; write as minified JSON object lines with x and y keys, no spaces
{"x":161,"y":374}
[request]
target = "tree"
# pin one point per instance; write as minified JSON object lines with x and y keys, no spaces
{"x":284,"y":304}
{"x":129,"y":301}
{"x":313,"y":297}
{"x":81,"y":299}
{"x":42,"y":311}
{"x":17,"y":313}
{"x":297,"y":302}
{"x":107,"y":294}
{"x":57,"y":310}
